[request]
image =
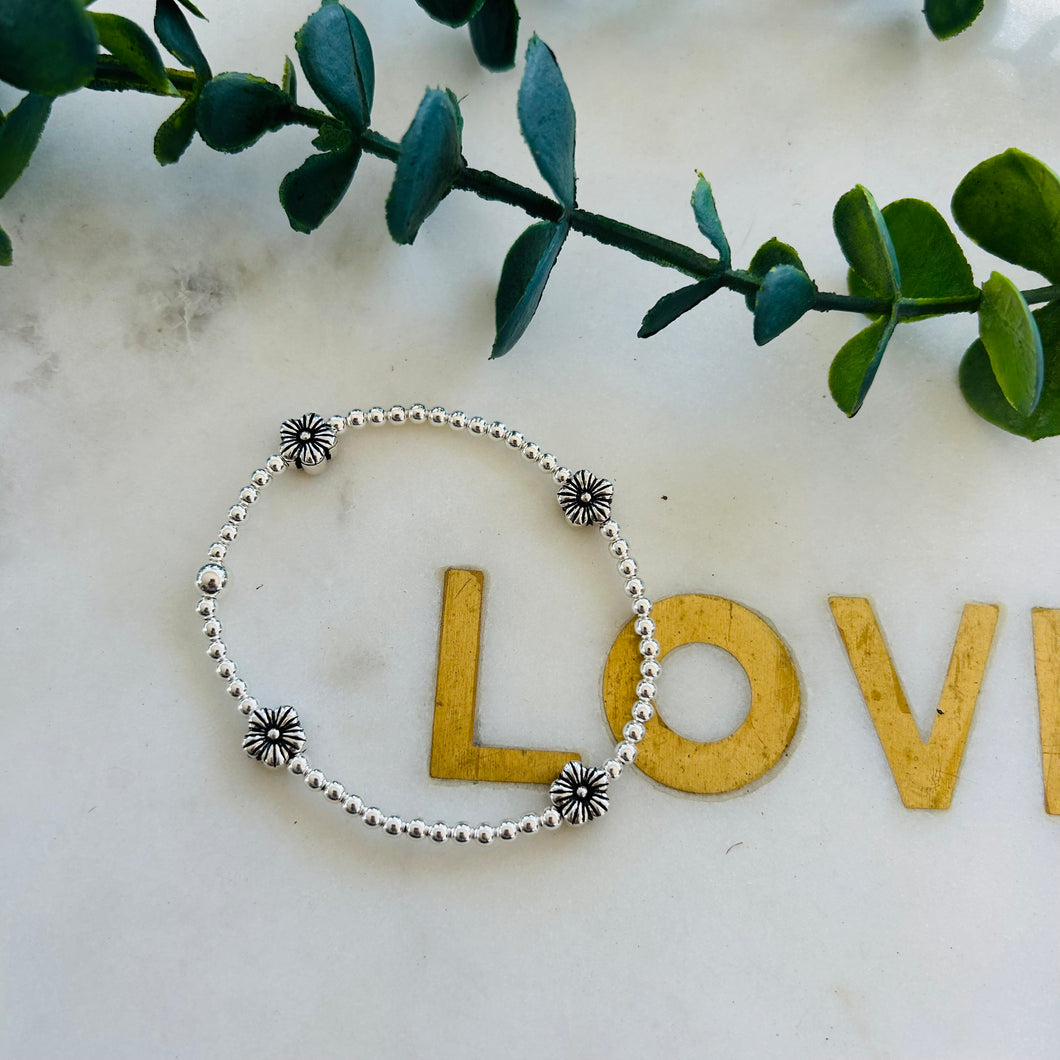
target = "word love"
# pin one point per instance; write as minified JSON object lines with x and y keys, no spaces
{"x":925,"y":771}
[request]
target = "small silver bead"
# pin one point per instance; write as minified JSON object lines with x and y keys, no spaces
{"x":644,"y":627}
{"x":507,"y":830}
{"x":211,"y":629}
{"x":649,"y":648}
{"x":226,"y":669}
{"x":298,"y":765}
{"x":260,"y":478}
{"x":610,"y":530}
{"x":228,"y":533}
{"x":248,"y":495}
{"x":634,"y":587}
{"x":440,"y":832}
{"x":613,"y":768}
{"x":643,"y":710}
{"x":276,"y":464}
{"x":372,"y":816}
{"x":529,"y":824}
{"x":532,"y":451}
{"x":462,"y":833}
{"x":337,"y":423}
{"x":393,"y":826}
{"x":548,"y":463}
{"x":642,"y":607}
{"x":237,"y":513}
{"x":218,"y":550}
{"x":627,"y":567}
{"x":237,"y":689}
{"x":619,"y":548}
{"x":645,"y":689}
{"x":416,"y":829}
{"x":626,"y":752}
{"x":484,"y":834}
{"x":247,"y":705}
{"x":207,"y":607}
{"x":356,"y":418}
{"x":477,"y":426}
{"x":650,"y":669}
{"x":376,"y":416}
{"x":315,"y":780}
{"x":515,"y":440}
{"x":561,"y":475}
{"x":437,"y":416}
{"x":498,"y":430}
{"x":551,"y":818}
{"x":418,"y":413}
{"x":633,"y":731}
{"x":352,"y":805}
{"x":334,"y":791}
{"x":211,"y":579}
{"x":217,"y":649}
{"x":397,"y":414}
{"x":457,"y":420}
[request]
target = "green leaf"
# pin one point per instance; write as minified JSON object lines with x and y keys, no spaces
{"x":19,"y":136}
{"x":866,"y":243}
{"x":290,"y":81}
{"x":451,"y":12}
{"x":523,"y":278}
{"x":771,"y":253}
{"x":1010,"y":335}
{"x":495,"y":34}
{"x":333,"y":136}
{"x":172,"y":29}
{"x":785,"y":295}
{"x":336,"y":58}
{"x":1010,"y":206}
{"x":126,"y":41}
{"x":310,"y":192}
{"x":675,"y":304}
{"x":708,"y":221}
{"x":546,"y":116}
{"x":429,"y":161}
{"x":984,"y":395}
{"x":855,"y":365}
{"x":193,"y":9}
{"x":176,"y":132}
{"x":947,"y":18}
{"x":46,"y":46}
{"x":236,"y":110}
{"x":5,"y":248}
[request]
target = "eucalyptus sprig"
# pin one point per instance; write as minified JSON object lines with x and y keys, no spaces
{"x":904,"y":262}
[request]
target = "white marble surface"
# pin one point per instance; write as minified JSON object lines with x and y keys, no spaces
{"x":164,"y":897}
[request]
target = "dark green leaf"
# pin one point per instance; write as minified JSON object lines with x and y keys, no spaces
{"x":1012,"y":341}
{"x":193,"y":9}
{"x":1010,"y":206}
{"x":546,"y":116}
{"x":451,"y":12}
{"x":981,"y":390}
{"x":126,"y":41}
{"x":675,"y":304}
{"x":865,"y":242}
{"x":947,"y":18}
{"x":854,"y":366}
{"x":495,"y":34}
{"x":172,"y":29}
{"x":771,"y":253}
{"x":176,"y":132}
{"x":5,"y":248}
{"x":429,"y":161}
{"x":310,"y":192}
{"x":19,"y":136}
{"x":523,"y":278}
{"x":290,"y":81}
{"x":785,"y":295}
{"x":336,"y":58}
{"x":46,"y":46}
{"x":708,"y":221}
{"x":236,"y":110}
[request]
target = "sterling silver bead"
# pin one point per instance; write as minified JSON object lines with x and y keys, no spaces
{"x":551,"y":818}
{"x":633,"y":731}
{"x":650,"y":669}
{"x":337,"y":423}
{"x":315,"y":780}
{"x":211,"y":579}
{"x":248,"y":495}
{"x":247,"y":705}
{"x":561,"y":476}
{"x":356,"y":418}
{"x":397,"y":414}
{"x":418,"y":413}
{"x":642,"y":607}
{"x":376,"y":416}
{"x":643,"y":710}
{"x":627,"y":567}
{"x":228,"y":533}
{"x":634,"y":587}
{"x":237,"y":513}
{"x":217,"y":649}
{"x":484,"y":834}
{"x":645,"y":689}
{"x":393,"y":826}
{"x":626,"y":752}
{"x":260,"y":478}
{"x":352,"y":805}
{"x":644,"y":627}
{"x":298,"y":765}
{"x":548,"y":463}
{"x":498,"y":430}
{"x":440,"y":832}
{"x":619,"y":548}
{"x":457,"y":420}
{"x":613,"y":768}
{"x":334,"y":791}
{"x":507,"y":830}
{"x":529,"y":824}
{"x":437,"y":416}
{"x":218,"y":550}
{"x":276,"y":465}
{"x":477,"y":426}
{"x":649,"y":647}
{"x":226,"y":669}
{"x":462,"y":833}
{"x":211,"y":629}
{"x":207,"y":607}
{"x":515,"y":440}
{"x":532,"y":451}
{"x":237,"y":689}
{"x":610,"y":530}
{"x":372,"y":816}
{"x":416,"y":829}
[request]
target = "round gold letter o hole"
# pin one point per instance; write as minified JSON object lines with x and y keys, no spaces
{"x":756,"y":746}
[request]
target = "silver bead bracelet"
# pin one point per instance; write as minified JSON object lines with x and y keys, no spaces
{"x":274,"y":735}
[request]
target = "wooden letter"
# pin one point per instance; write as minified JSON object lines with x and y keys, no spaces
{"x":454,"y":753}
{"x":1047,"y":669}
{"x":925,"y":771}
{"x":755,"y":747}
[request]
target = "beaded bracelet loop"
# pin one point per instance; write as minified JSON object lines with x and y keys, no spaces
{"x":274,"y":735}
